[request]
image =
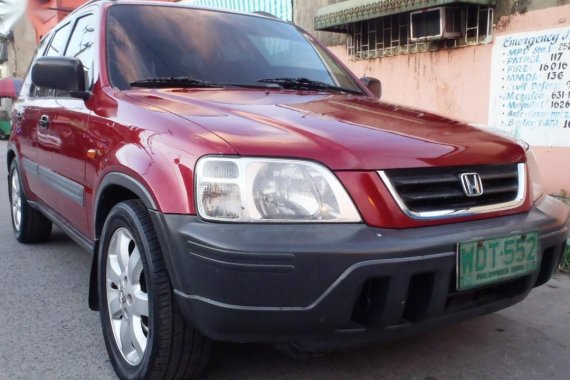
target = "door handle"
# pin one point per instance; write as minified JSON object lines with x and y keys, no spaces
{"x":44,"y":122}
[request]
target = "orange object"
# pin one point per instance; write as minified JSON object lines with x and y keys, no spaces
{"x":92,"y":154}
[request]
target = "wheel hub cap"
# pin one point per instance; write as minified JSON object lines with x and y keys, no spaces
{"x":16,"y":200}
{"x":127,"y":297}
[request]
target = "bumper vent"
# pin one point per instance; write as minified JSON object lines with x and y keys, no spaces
{"x":442,"y":191}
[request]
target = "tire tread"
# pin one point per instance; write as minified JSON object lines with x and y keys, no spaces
{"x":182,"y":352}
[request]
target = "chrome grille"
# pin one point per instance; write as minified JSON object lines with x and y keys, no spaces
{"x":439,"y":191}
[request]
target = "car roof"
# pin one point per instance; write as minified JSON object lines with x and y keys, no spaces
{"x":179,"y":4}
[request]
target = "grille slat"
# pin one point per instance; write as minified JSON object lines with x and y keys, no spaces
{"x":490,"y":176}
{"x":431,"y":196}
{"x":438,"y":189}
{"x":417,"y":180}
{"x":502,"y":189}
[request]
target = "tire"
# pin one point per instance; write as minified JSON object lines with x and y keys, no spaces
{"x":29,"y":225}
{"x":139,"y":300}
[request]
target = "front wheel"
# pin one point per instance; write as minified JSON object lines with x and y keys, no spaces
{"x":144,"y":331}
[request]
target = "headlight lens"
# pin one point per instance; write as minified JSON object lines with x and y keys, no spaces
{"x":534,"y":174}
{"x":270,"y":190}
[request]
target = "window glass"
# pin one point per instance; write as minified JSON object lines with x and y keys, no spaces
{"x":150,"y":41}
{"x":55,"y":49}
{"x":58,"y":42}
{"x":277,"y":51}
{"x":341,"y":76}
{"x":81,"y":45}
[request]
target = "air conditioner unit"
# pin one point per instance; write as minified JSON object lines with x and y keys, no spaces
{"x":439,"y":23}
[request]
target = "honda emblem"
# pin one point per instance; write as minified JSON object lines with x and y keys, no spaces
{"x":472,"y":185}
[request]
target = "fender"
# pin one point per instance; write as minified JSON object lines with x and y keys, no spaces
{"x":123,"y":180}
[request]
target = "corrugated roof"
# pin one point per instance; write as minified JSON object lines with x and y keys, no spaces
{"x":335,"y":17}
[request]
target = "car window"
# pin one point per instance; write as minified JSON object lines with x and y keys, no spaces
{"x":55,"y":49}
{"x":150,"y":41}
{"x":81,"y":45}
{"x":58,"y":42}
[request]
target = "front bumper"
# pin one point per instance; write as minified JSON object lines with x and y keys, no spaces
{"x":333,"y":286}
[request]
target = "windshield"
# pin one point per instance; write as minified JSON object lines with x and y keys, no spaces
{"x":150,"y":41}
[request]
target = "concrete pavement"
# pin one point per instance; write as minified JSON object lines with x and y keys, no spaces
{"x":48,"y":332}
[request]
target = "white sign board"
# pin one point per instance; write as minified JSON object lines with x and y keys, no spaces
{"x":530,"y":86}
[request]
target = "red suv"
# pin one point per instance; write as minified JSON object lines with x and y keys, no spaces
{"x":235,"y":182}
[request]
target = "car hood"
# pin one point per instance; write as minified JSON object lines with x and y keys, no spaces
{"x":344,"y":132}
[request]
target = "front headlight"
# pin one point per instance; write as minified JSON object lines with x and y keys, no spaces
{"x":270,"y":190}
{"x":534,"y":174}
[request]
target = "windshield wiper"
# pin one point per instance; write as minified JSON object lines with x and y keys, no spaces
{"x":268,"y":86}
{"x":165,"y":82}
{"x":307,"y":84}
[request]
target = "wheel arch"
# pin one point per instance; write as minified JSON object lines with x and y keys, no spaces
{"x":114,"y":188}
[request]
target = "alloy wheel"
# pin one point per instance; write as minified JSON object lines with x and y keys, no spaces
{"x":127,"y":296}
{"x":16,"y":200}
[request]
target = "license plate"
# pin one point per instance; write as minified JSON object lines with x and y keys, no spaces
{"x":485,"y":262}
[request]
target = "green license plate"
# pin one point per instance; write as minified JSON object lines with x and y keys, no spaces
{"x":485,"y":262}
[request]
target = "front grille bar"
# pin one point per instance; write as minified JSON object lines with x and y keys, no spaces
{"x":456,"y":212}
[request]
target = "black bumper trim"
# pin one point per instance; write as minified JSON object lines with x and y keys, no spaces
{"x":339,"y":285}
{"x":232,"y":259}
{"x":314,"y":304}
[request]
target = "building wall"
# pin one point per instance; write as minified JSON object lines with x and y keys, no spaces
{"x":509,"y":7}
{"x":22,"y":48}
{"x":456,"y":82}
{"x":304,"y":14}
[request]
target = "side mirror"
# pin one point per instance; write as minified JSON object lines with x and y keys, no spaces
{"x":374,"y":85}
{"x":61,"y":73}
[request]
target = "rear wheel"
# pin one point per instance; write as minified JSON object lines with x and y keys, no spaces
{"x":144,"y":331}
{"x":29,"y":225}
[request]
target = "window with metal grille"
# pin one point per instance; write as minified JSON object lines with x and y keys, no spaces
{"x":414,"y":32}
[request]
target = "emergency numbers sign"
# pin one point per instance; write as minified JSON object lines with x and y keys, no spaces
{"x":530,"y":86}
